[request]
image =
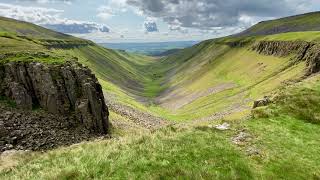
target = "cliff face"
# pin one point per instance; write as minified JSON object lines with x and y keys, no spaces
{"x":68,"y":90}
{"x":300,"y":50}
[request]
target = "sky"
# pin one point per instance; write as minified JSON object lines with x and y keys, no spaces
{"x":151,"y":20}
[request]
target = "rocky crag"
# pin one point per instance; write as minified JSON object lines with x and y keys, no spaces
{"x":69,"y":94}
{"x":308,"y":52}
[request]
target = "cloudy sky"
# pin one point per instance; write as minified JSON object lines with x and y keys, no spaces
{"x":151,"y":20}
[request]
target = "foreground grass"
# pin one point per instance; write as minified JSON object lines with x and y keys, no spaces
{"x":197,"y":152}
{"x":166,"y":153}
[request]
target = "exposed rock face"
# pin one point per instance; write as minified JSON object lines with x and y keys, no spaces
{"x":38,"y":130}
{"x":301,"y":50}
{"x":280,"y":48}
{"x":69,"y":90}
{"x":312,"y":57}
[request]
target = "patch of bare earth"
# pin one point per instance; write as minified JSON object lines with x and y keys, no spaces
{"x":236,"y":107}
{"x":173,"y":100}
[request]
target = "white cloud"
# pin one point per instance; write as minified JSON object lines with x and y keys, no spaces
{"x":31,"y":14}
{"x":50,"y":18}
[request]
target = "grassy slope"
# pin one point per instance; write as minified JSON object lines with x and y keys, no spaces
{"x":189,"y":150}
{"x":304,"y":22}
{"x":252,"y":74}
{"x":27,"y":29}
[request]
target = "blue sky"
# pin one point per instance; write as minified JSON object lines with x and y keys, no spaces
{"x":152,"y":20}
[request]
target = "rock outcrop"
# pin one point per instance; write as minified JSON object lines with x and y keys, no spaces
{"x":300,"y":50}
{"x":261,"y":102}
{"x":68,"y":90}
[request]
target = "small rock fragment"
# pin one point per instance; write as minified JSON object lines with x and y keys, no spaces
{"x":223,"y":127}
{"x":261,"y":102}
{"x":241,"y":138}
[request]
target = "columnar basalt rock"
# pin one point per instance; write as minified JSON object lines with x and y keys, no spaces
{"x":68,"y":89}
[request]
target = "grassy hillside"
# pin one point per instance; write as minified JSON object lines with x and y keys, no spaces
{"x":298,"y":23}
{"x":216,"y":77}
{"x":213,"y":82}
{"x":21,"y":28}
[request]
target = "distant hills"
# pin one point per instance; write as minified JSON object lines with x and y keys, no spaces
{"x":77,"y":28}
{"x":151,"y":48}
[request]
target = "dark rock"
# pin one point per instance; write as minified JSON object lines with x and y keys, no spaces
{"x":69,"y":94}
{"x":20,"y":96}
{"x":312,"y":57}
{"x":280,"y":48}
{"x":303,"y":51}
{"x":261,"y":102}
{"x":308,"y":52}
{"x":59,"y":89}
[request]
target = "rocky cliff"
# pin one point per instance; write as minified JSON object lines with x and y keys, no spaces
{"x":299,"y":50}
{"x":68,"y":90}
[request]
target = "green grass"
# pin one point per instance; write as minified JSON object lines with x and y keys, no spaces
{"x":304,"y":22}
{"x":7,"y":102}
{"x":288,"y":146}
{"x":301,"y":101}
{"x":164,"y":154}
{"x":27,"y":29}
{"x":48,"y":59}
{"x":294,"y":36}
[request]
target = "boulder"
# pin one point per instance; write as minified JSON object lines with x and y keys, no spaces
{"x":261,"y":102}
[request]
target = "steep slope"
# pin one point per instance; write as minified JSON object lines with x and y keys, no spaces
{"x":298,"y":23}
{"x":21,"y":28}
{"x":222,"y":77}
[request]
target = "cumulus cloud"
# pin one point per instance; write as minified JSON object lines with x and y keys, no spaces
{"x":31,"y":14}
{"x":208,"y":14}
{"x":50,"y":18}
{"x":150,"y":26}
